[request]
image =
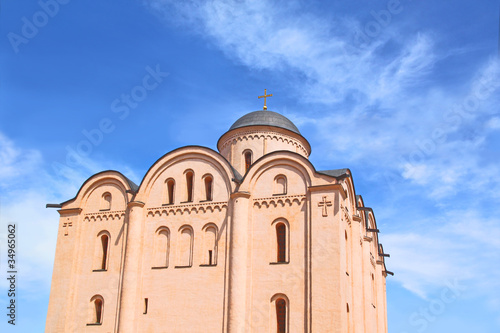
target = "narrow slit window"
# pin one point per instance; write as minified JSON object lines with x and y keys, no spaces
{"x":248,"y":160}
{"x":279,"y":236}
{"x":208,"y":188}
{"x":189,"y":185}
{"x":145,"y":306}
{"x":98,"y":311}
{"x":104,"y":244}
{"x":170,"y":191}
{"x":281,"y":242}
{"x":281,"y":315}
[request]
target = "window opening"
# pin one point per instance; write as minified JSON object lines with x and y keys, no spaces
{"x":281,"y":315}
{"x":248,"y":160}
{"x":189,"y":184}
{"x":281,"y":241}
{"x":104,"y":243}
{"x":208,"y":188}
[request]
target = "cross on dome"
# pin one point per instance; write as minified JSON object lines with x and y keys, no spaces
{"x":265,"y":97}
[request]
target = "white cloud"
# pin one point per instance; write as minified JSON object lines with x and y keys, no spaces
{"x":390,"y":114}
{"x":494,"y":123}
{"x":429,"y":266}
{"x":28,"y":184}
{"x":271,"y":36}
{"x":462,"y":245}
{"x":36,"y":234}
{"x":36,"y":229}
{"x":16,"y":162}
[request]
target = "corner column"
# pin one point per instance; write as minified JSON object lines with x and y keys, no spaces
{"x":131,"y":267}
{"x":238,"y":262}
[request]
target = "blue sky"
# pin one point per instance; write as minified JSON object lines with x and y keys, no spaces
{"x":404,"y":93}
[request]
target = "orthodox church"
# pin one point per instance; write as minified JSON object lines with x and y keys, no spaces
{"x":249,"y":238}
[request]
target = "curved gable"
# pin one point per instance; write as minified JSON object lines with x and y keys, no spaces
{"x":90,"y":195}
{"x":296,"y":168}
{"x":202,"y":162}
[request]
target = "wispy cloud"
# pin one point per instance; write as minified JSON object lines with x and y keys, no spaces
{"x":460,"y":246}
{"x":27,"y":184}
{"x":387,"y":111}
{"x":265,"y":35}
{"x":14,"y":162}
{"x":22,"y":202}
{"x":392,"y":115}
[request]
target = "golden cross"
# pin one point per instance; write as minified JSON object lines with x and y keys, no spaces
{"x":265,"y":96}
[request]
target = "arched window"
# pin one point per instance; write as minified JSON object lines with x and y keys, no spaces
{"x":280,"y":184}
{"x":96,"y":310}
{"x":169,"y":191}
{"x":280,"y":242}
{"x":101,"y":251}
{"x":161,"y":247}
{"x":208,"y":180}
{"x":280,"y":312}
{"x":248,"y":159}
{"x":189,"y":186}
{"x":105,"y":245}
{"x":106,"y":201}
{"x":185,"y":247}
{"x":210,"y":245}
{"x":281,"y":315}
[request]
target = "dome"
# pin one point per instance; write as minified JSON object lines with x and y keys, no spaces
{"x":265,"y":118}
{"x":260,"y":133}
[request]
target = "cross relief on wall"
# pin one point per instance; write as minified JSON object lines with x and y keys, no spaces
{"x":66,"y":226}
{"x":325,"y":204}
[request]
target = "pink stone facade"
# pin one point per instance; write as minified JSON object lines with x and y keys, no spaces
{"x":205,"y":245}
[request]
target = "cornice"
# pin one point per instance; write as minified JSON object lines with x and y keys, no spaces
{"x":326,"y":187}
{"x":241,"y":194}
{"x":104,"y":216}
{"x":70,"y":211}
{"x":279,"y":200}
{"x":199,"y":208}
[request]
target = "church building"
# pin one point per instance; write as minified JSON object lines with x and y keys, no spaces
{"x":249,"y":238}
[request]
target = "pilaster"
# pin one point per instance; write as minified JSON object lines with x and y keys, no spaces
{"x":238,"y":261}
{"x":131,"y":269}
